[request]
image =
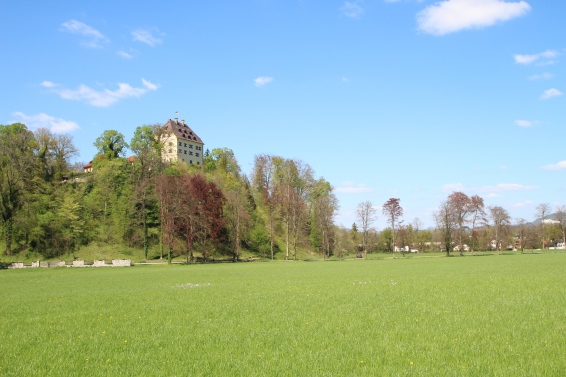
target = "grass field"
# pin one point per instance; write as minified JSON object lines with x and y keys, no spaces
{"x":472,"y":316}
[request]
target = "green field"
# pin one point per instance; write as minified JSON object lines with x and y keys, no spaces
{"x":472,"y":316}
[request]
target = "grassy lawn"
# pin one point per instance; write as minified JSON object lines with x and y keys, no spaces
{"x":496,"y":315}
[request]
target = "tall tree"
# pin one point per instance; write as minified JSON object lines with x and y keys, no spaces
{"x":393,"y":211}
{"x":324,"y":206}
{"x":500,"y":220}
{"x":560,"y":214}
{"x":17,"y":165}
{"x":111,"y":144}
{"x":366,"y":215}
{"x":522,"y":233}
{"x":460,"y":205}
{"x":146,"y":165}
{"x":542,"y":211}
{"x":265,"y":183}
{"x":446,"y":224}
{"x":478,"y":217}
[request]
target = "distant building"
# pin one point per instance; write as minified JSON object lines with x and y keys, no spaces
{"x":88,"y":167}
{"x":181,"y":143}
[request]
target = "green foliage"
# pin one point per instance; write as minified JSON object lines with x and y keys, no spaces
{"x":111,"y":144}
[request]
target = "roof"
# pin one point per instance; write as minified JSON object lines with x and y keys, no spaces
{"x":181,"y":130}
{"x":88,"y":166}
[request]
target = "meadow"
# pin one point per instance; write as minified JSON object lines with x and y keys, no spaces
{"x":473,"y":316}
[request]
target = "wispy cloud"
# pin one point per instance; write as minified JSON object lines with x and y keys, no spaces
{"x":125,"y":55}
{"x":105,"y":97}
{"x":551,"y":93}
{"x":523,"y":204}
{"x":352,"y":9}
{"x":449,"y":187}
{"x":500,"y":187}
{"x":353,"y":188}
{"x":93,"y":37}
{"x":147,"y":36}
{"x":263,"y":81}
{"x":558,"y":166}
{"x":545,"y":56}
{"x":526,"y":123}
{"x":541,"y":76}
{"x":345,"y":79}
{"x":450,"y":16}
{"x":43,"y":120}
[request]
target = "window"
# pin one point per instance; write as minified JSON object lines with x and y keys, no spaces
{"x":191,"y":146}
{"x":185,"y":145}
{"x":178,"y":150}
{"x":191,"y":162}
{"x":180,"y":144}
{"x":185,"y":152}
{"x":198,"y":163}
{"x":196,"y":154}
{"x":191,"y":153}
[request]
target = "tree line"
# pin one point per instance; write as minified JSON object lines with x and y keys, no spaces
{"x":463,"y":224}
{"x":49,"y":206}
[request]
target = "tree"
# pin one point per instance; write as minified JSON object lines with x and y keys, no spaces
{"x":111,"y":144}
{"x":478,"y":217}
{"x":460,"y":205}
{"x":146,"y":165}
{"x":501,"y":220}
{"x":446,"y":224}
{"x":264,"y":183}
{"x":392,"y":210}
{"x":17,"y":165}
{"x":560,"y":214}
{"x":366,"y":215}
{"x":522,"y":233}
{"x":542,"y":211}
{"x":324,"y":206}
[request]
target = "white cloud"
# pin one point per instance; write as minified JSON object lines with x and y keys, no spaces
{"x":105,"y":97}
{"x":449,"y":187}
{"x":352,"y":9}
{"x":124,"y":54}
{"x":505,"y":187}
{"x":345,"y":79}
{"x":500,"y":187}
{"x":146,"y":36}
{"x":492,"y":195}
{"x":47,"y":84}
{"x":263,"y":81}
{"x":94,"y":38}
{"x":523,"y":204}
{"x":46,"y":121}
{"x":450,"y":16}
{"x":542,"y":76}
{"x":529,"y":59}
{"x":551,"y":93}
{"x":353,"y":188}
{"x":559,"y":166}
{"x":524,"y":123}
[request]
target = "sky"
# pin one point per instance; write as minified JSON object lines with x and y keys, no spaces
{"x":411,"y":99}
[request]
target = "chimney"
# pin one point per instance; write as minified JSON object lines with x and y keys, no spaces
{"x":177,"y":120}
{"x":183,"y":121}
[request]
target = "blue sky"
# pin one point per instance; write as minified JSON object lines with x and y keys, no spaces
{"x":409,"y":99}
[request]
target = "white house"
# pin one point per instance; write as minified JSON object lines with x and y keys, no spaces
{"x":181,"y":143}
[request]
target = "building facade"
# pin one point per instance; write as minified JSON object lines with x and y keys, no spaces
{"x":181,"y":143}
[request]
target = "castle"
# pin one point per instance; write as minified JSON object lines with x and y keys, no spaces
{"x":180,"y":143}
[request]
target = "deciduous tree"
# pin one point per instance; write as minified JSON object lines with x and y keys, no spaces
{"x":393,"y":211}
{"x":366,"y":215}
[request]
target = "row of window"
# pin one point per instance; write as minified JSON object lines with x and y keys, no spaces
{"x":198,"y":148}
{"x":190,"y":152}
